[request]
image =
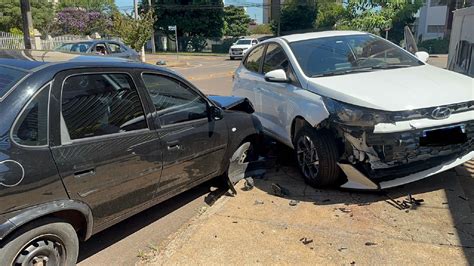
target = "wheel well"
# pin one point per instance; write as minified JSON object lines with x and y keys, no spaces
{"x":256,"y":140}
{"x":296,"y":125}
{"x":73,"y":217}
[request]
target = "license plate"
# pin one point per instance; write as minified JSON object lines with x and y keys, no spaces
{"x":444,"y":136}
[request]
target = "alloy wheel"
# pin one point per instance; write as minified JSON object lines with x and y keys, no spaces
{"x":307,"y":156}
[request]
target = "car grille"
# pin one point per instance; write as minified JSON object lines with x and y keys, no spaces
{"x":426,"y":112}
{"x":401,"y":153}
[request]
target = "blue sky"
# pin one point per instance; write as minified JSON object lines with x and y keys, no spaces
{"x":254,"y":12}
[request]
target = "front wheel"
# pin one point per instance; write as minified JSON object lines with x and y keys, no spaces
{"x":43,"y":242}
{"x":317,"y":156}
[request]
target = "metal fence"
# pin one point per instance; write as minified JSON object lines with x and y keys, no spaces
{"x":11,"y":41}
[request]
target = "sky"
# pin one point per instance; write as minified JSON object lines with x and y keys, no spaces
{"x":254,"y":12}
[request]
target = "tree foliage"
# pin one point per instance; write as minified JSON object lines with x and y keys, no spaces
{"x":378,"y":15}
{"x":42,"y":12}
{"x":91,"y":5}
{"x":329,"y":13}
{"x":79,"y":21}
{"x":236,"y":21}
{"x":296,"y":15}
{"x":262,"y":29}
{"x":134,"y":32}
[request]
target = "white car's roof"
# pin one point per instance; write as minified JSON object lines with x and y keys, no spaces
{"x":320,"y":34}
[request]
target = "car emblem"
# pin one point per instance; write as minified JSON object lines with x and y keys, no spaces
{"x":441,"y":113}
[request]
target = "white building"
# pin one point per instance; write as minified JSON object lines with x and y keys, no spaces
{"x":268,"y":9}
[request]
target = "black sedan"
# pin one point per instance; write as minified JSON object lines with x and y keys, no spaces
{"x":84,"y":145}
{"x":100,"y":47}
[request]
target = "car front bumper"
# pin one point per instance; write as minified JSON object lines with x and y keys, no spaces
{"x":384,"y":160}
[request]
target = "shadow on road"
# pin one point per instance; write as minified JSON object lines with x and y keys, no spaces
{"x":135,"y":223}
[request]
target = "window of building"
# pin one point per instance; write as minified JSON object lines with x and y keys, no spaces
{"x":174,"y":101}
{"x":101,"y":104}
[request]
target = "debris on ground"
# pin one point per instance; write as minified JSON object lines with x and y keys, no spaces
{"x":344,"y":210}
{"x":279,"y":190}
{"x":249,"y":184}
{"x":161,"y":63}
{"x":258,"y":202}
{"x":294,"y":202}
{"x":370,"y":244}
{"x":409,"y":203}
{"x":341,"y":249}
{"x":463,"y":198}
{"x":306,"y":241}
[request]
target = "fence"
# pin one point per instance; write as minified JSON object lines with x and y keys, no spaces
{"x":53,"y":42}
{"x":11,"y":41}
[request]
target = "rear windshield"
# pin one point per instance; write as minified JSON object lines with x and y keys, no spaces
{"x":8,"y":78}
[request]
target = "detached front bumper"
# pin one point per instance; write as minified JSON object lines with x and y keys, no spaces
{"x":383,"y":160}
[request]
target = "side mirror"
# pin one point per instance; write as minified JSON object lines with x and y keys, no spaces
{"x":422,"y":56}
{"x":215,"y":113}
{"x":277,"y":75}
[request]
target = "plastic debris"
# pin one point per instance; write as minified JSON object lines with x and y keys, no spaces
{"x":279,"y":190}
{"x":294,"y":202}
{"x":306,"y":241}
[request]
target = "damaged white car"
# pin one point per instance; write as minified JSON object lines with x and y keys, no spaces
{"x":359,"y":111}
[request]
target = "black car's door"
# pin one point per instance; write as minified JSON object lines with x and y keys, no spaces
{"x":193,"y":144}
{"x":103,"y":141}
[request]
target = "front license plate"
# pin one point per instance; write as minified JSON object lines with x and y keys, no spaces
{"x":444,"y":136}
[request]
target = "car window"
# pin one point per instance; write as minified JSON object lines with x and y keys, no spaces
{"x":115,"y":48}
{"x":100,"y":49}
{"x":9,"y":77}
{"x":275,"y":58}
{"x":101,"y":104}
{"x":254,"y":58}
{"x":174,"y":101}
{"x":243,"y":42}
{"x":31,"y":128}
{"x":81,"y":47}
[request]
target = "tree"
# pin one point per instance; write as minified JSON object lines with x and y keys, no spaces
{"x":329,"y":13}
{"x":296,"y":15}
{"x":236,"y":21}
{"x":133,"y":32}
{"x":377,"y":15}
{"x":79,"y":21}
{"x":92,"y":5}
{"x":43,"y":13}
{"x":196,"y":20}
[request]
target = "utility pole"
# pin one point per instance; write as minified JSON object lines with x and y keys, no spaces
{"x":135,"y":6}
{"x":27,"y":22}
{"x":153,"y":35}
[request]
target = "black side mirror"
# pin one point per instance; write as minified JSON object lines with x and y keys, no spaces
{"x":215,"y":113}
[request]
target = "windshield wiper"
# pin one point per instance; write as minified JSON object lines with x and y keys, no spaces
{"x":343,"y":72}
{"x":388,"y":66}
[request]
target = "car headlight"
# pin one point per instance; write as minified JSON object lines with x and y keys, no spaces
{"x":352,"y":115}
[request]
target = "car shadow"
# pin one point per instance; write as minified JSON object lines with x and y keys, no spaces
{"x":214,"y":189}
{"x":283,"y":175}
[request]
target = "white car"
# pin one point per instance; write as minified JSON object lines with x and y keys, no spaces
{"x":239,"y":48}
{"x":359,"y":111}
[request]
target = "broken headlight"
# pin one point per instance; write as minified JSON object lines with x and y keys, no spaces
{"x":353,"y":115}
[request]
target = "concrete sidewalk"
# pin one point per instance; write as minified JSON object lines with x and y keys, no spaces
{"x":328,"y":226}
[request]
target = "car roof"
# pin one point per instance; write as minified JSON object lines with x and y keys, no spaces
{"x":319,"y":34}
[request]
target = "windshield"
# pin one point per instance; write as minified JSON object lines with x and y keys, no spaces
{"x":8,"y":78}
{"x":80,"y":47}
{"x":243,"y":42}
{"x":345,"y":54}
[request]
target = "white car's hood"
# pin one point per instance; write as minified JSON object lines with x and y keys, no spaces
{"x":397,"y":89}
{"x":241,"y":46}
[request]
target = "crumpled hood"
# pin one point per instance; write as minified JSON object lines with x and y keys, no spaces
{"x":397,"y":89}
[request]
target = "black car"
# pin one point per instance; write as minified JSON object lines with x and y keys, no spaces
{"x":100,"y":47}
{"x":84,"y":145}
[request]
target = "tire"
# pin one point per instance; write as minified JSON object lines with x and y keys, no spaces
{"x":232,"y":58}
{"x":49,"y":240}
{"x":319,"y":163}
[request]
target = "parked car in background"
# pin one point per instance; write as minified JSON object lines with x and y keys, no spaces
{"x":86,"y":143}
{"x":355,"y":102}
{"x":239,"y":48}
{"x":100,"y":47}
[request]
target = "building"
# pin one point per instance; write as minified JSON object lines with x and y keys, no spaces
{"x":435,"y":18}
{"x":271,"y":8}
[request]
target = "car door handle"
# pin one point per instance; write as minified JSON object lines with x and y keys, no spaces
{"x":173,"y":145}
{"x":84,"y":173}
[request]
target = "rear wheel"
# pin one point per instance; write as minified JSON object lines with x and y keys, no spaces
{"x":43,"y":242}
{"x":317,"y":155}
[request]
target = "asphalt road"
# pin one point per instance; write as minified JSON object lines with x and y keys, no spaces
{"x":123,"y":243}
